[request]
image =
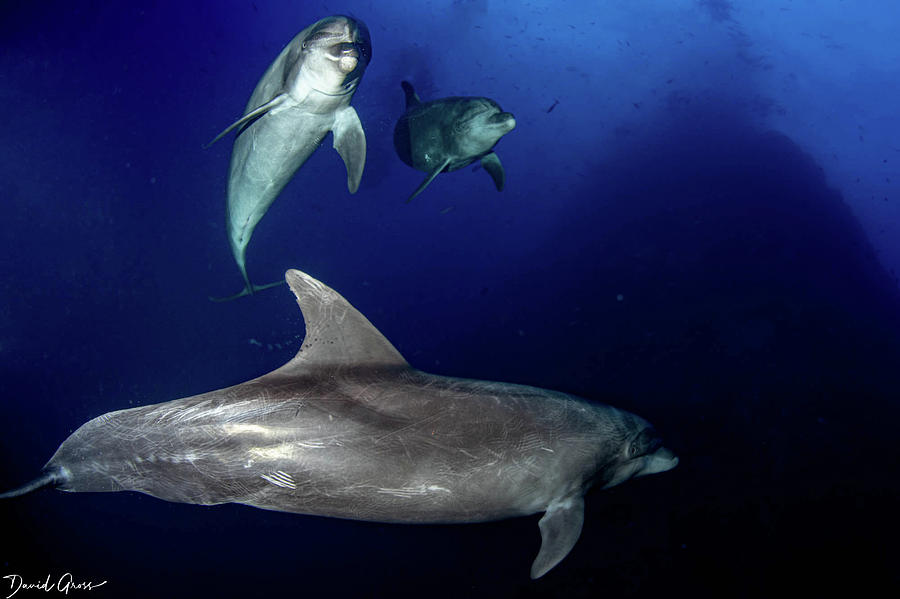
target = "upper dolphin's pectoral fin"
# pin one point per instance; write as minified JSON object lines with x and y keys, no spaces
{"x":258,"y":112}
{"x":428,"y":180}
{"x":491,"y":163}
{"x":412,"y":98}
{"x":337,"y":335}
{"x":560,"y":529}
{"x":245,"y":291}
{"x":350,"y":143}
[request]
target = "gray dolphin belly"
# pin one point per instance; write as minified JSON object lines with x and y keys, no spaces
{"x":265,"y":157}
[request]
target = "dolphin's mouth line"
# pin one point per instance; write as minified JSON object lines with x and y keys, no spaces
{"x":346,"y":89}
{"x":335,"y":95}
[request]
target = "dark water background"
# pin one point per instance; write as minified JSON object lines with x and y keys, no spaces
{"x":758,"y":326}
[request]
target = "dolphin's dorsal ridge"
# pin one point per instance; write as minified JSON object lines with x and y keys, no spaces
{"x":337,"y":335}
{"x":560,"y":529}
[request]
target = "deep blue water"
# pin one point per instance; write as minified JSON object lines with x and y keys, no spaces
{"x":723,"y":167}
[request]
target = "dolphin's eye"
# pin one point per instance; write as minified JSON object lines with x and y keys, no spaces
{"x":632,"y":450}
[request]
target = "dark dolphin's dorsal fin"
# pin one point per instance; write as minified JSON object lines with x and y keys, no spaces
{"x":412,"y":98}
{"x":337,"y":335}
{"x":493,"y":166}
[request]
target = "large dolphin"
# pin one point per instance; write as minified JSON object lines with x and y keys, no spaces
{"x":447,"y":134}
{"x":348,"y":429}
{"x":302,"y":96}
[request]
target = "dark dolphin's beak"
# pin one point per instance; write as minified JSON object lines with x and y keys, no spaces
{"x":504,"y":118}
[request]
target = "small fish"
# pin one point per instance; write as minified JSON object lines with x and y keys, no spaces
{"x":552,"y":106}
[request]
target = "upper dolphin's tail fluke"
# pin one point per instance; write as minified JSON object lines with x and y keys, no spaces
{"x":247,"y":290}
{"x":51,"y":477}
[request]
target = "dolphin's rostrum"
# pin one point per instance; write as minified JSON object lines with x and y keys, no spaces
{"x":348,"y":429}
{"x":304,"y":94}
{"x":450,"y":133}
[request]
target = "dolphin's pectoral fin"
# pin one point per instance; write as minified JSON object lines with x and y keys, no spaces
{"x":428,"y":180}
{"x":491,"y":164}
{"x":253,"y":114}
{"x":412,"y":98}
{"x":350,"y":143}
{"x":246,"y":291}
{"x":337,"y":335}
{"x":560,"y":529}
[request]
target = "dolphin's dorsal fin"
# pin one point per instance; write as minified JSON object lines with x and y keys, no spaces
{"x":412,"y":98}
{"x":258,"y":112}
{"x":337,"y":335}
{"x":560,"y":529}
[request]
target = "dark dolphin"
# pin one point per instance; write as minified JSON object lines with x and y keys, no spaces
{"x":448,"y":134}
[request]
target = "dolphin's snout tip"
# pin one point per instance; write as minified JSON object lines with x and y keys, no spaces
{"x":347,"y":55}
{"x":662,"y":460}
{"x":348,"y":63}
{"x":506,"y":119}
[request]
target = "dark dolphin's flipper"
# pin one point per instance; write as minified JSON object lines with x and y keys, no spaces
{"x":491,"y":164}
{"x":428,"y":180}
{"x":52,"y":477}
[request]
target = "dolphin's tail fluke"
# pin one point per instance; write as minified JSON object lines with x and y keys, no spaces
{"x":247,"y":290}
{"x":51,"y":477}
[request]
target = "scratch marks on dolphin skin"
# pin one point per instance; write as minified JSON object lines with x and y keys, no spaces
{"x":280,"y":478}
{"x":417,"y":491}
{"x":169,"y":458}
